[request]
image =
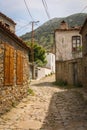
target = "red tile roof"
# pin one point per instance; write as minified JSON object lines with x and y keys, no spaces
{"x":13,"y":35}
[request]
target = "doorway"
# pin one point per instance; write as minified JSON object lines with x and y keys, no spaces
{"x":75,"y":73}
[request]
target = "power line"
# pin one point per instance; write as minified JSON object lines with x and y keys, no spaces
{"x":28,"y":9}
{"x":81,"y":12}
{"x":22,"y":27}
{"x":23,"y":30}
{"x":47,"y":12}
{"x":83,"y":9}
{"x":46,"y":8}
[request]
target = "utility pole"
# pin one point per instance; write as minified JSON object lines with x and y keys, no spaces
{"x":32,"y":48}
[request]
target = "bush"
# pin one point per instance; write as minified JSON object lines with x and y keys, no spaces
{"x":61,"y":83}
{"x":30,"y":92}
{"x":79,"y":85}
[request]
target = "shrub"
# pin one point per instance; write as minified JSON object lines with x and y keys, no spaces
{"x":79,"y":84}
{"x":61,"y":83}
{"x":30,"y":92}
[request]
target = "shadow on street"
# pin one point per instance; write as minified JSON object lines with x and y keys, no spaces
{"x":67,"y":111}
{"x":44,"y":84}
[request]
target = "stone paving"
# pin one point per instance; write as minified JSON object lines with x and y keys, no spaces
{"x":51,"y":108}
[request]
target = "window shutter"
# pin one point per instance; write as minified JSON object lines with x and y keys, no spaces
{"x":6,"y":65}
{"x":19,"y":68}
{"x":11,"y":66}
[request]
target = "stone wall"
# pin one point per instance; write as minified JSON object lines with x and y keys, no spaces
{"x":85,"y":71}
{"x":84,"y":52}
{"x":11,"y":95}
{"x":65,"y":71}
{"x":5,"y":20}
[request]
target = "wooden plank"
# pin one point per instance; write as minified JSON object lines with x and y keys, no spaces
{"x":11,"y":66}
{"x":19,"y":68}
{"x":6,"y":65}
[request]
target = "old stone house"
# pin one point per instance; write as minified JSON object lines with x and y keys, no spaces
{"x":8,"y":22}
{"x":84,"y":52}
{"x":14,"y":65}
{"x":68,"y":46}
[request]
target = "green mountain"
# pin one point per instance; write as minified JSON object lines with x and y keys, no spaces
{"x":44,"y":34}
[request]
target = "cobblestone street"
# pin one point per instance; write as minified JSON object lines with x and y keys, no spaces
{"x":51,"y":108}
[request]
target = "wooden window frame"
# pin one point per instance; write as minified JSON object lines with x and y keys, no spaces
{"x":75,"y":43}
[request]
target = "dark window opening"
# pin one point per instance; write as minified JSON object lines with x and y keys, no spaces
{"x":76,"y":43}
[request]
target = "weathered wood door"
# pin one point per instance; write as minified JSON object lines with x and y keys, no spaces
{"x":75,"y":74}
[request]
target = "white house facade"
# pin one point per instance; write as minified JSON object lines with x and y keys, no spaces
{"x":50,"y":61}
{"x":48,"y":69}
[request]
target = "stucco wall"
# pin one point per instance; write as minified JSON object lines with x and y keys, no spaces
{"x":63,"y":41}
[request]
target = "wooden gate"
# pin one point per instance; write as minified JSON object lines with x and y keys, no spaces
{"x":75,"y":73}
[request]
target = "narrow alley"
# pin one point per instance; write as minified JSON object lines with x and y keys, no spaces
{"x":49,"y":108}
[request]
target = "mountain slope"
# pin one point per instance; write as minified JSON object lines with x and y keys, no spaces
{"x":44,"y":34}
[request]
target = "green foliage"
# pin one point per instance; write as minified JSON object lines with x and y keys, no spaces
{"x":44,"y":35}
{"x":65,"y":85}
{"x":14,"y":104}
{"x":61,"y":83}
{"x":31,"y":92}
{"x":79,"y":84}
{"x":39,"y":54}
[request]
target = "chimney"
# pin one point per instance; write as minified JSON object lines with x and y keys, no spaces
{"x":63,"y":25}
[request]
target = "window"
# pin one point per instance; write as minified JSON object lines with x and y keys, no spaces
{"x":8,"y":65}
{"x":76,"y":43}
{"x":19,"y":68}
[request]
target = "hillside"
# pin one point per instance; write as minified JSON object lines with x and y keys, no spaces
{"x":44,"y":34}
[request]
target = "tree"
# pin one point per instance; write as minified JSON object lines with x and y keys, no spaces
{"x":39,"y":54}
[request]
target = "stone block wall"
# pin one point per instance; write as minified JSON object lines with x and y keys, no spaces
{"x":5,"y":20}
{"x":85,"y":71}
{"x":10,"y":95}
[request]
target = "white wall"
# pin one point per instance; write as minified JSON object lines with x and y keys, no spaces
{"x":50,"y":66}
{"x":47,"y":71}
{"x":42,"y":72}
{"x":50,"y":61}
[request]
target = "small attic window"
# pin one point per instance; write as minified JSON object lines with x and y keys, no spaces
{"x":7,"y":25}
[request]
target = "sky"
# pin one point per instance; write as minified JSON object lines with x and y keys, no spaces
{"x":16,"y":10}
